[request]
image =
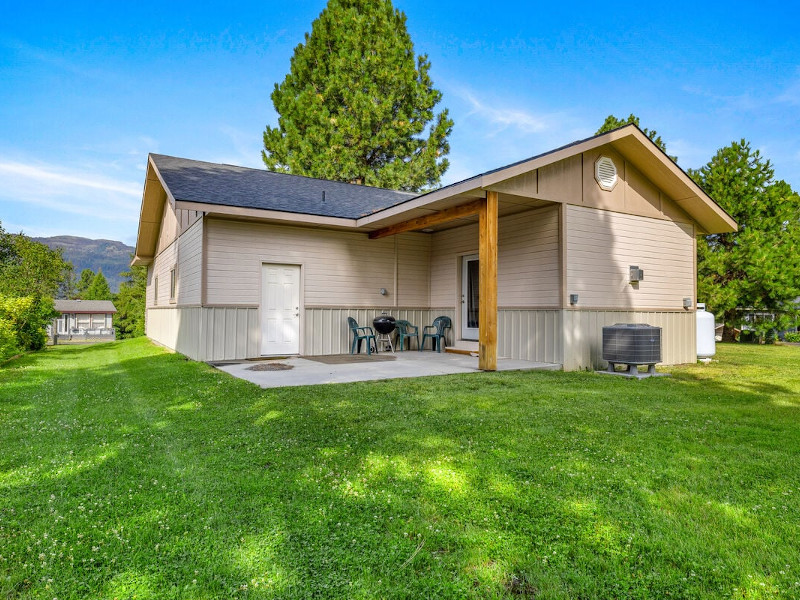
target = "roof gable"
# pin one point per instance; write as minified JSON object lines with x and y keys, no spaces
{"x":256,"y":193}
{"x":629,"y":141}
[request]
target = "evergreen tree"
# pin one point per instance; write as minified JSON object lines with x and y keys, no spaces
{"x":757,"y":267}
{"x":98,"y":289}
{"x":356,"y":103}
{"x":613,"y":122}
{"x":130,"y":304}
{"x":7,"y":252}
{"x":83,"y":283}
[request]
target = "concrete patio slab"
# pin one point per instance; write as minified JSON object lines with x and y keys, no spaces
{"x":406,"y":364}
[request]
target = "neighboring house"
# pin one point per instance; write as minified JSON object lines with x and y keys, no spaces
{"x":529,"y":260}
{"x":83,"y":320}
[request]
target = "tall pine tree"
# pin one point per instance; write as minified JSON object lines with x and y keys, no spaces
{"x":757,"y":267}
{"x":613,"y":122}
{"x":130,"y":302}
{"x":98,"y":289}
{"x":83,"y":283}
{"x":358,"y":105}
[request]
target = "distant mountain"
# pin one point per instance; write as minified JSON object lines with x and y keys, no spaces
{"x":110,"y":256}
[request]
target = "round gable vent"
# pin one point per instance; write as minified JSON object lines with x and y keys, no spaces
{"x":605,"y":172}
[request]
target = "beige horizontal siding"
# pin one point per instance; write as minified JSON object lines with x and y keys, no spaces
{"x":447,"y":248}
{"x":527,"y":256}
{"x":413,"y":269}
{"x":160,"y":268}
{"x":185,"y":254}
{"x":190,"y":261}
{"x":339,"y":268}
{"x":583,"y":335}
{"x":169,"y":228}
{"x":602,"y":245}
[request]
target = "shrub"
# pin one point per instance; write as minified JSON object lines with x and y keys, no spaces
{"x":27,"y":317}
{"x":8,"y":339}
{"x":793,"y":337}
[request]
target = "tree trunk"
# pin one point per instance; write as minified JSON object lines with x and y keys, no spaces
{"x":728,"y":332}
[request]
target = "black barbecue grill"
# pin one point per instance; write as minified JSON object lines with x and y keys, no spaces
{"x":384,"y":325}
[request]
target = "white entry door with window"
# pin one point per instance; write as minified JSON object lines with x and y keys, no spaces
{"x":469,"y":297}
{"x":280,"y":309}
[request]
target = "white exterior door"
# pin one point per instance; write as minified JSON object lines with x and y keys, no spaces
{"x":469,"y":297}
{"x":280,"y":309}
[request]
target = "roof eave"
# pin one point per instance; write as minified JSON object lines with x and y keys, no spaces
{"x":709,"y":216}
{"x":668,"y":176}
{"x":155,"y":194}
{"x":265,"y":214}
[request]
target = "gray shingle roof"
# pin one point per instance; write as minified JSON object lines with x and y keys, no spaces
{"x":85,"y":306}
{"x":228,"y":185}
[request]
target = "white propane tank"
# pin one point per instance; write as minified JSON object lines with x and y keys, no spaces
{"x":706,"y":342}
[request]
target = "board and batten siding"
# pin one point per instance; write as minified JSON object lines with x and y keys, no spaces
{"x":601,"y":247}
{"x":326,"y":330}
{"x":583,"y":335}
{"x":574,"y":338}
{"x":534,"y":335}
{"x":527,"y":257}
{"x":207,"y":334}
{"x":234,"y":333}
{"x":339,"y":268}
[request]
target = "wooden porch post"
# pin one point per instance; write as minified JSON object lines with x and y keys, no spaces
{"x":487,"y":318}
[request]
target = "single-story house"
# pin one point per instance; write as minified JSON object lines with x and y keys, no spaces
{"x":530,"y":260}
{"x":83,"y":320}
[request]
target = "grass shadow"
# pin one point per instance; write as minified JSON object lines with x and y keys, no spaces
{"x":138,"y":472}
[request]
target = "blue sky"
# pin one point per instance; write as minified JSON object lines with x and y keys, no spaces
{"x":88,"y":89}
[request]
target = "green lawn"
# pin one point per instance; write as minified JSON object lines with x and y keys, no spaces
{"x":127,"y":472}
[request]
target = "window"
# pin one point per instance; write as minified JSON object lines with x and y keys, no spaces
{"x":155,"y":291}
{"x":84,"y":322}
{"x":173,"y":284}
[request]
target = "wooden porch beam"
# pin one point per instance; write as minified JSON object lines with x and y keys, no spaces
{"x":443,"y":216}
{"x":487,"y":306}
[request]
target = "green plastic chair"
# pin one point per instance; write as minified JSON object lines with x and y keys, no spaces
{"x":361,"y":333}
{"x":436,"y":333}
{"x":406,"y":331}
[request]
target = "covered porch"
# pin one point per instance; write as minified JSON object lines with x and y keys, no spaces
{"x":476,"y":312}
